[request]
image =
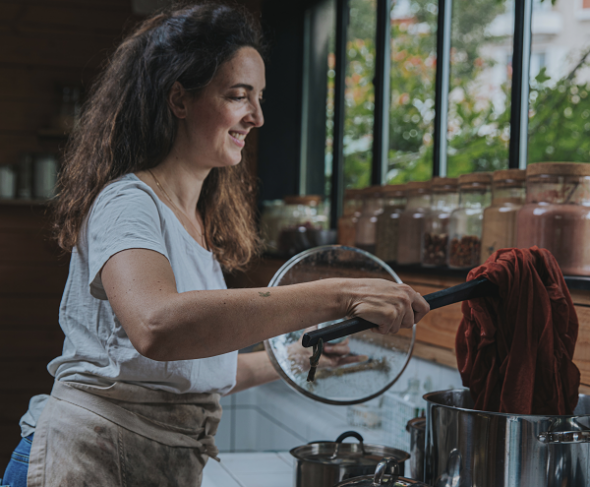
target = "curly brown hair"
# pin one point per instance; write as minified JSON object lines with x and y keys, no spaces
{"x":127,"y":126}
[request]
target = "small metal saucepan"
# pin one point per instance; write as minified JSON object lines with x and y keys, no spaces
{"x":381,"y":478}
{"x":325,"y":463}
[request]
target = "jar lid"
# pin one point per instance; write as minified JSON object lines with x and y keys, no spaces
{"x":418,"y":185}
{"x":510,"y":174}
{"x":394,"y":190}
{"x":438,"y":183}
{"x":310,"y":200}
{"x":559,"y":168}
{"x":372,"y":192}
{"x":476,"y":177}
{"x":352,"y":193}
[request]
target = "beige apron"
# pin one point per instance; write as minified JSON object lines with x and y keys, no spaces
{"x":124,"y":435}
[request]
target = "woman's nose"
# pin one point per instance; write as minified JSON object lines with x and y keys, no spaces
{"x":255,"y":117}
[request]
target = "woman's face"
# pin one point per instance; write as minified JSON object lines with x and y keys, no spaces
{"x":218,"y":119}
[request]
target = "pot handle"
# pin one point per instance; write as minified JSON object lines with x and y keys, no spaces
{"x":477,"y":288}
{"x":564,"y":437}
{"x":348,"y":434}
{"x":382,"y":467}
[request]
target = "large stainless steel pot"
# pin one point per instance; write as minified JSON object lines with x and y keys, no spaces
{"x":469,"y":448}
{"x":325,"y":463}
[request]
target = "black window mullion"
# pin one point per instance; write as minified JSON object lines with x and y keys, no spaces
{"x":519,"y":109}
{"x":441,"y":97}
{"x":337,"y":190}
{"x":381,"y":83}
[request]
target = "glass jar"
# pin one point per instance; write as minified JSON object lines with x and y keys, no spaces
{"x":435,"y":240}
{"x":270,"y":221}
{"x":367,"y":223}
{"x":556,"y":215}
{"x":299,"y":223}
{"x":350,"y":215}
{"x":465,"y":225}
{"x":394,"y":201}
{"x":411,"y":222}
{"x":499,"y":220}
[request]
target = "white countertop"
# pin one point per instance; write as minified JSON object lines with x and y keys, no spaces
{"x":250,"y":470}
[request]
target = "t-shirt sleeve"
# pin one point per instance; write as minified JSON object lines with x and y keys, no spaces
{"x":121,"y":219}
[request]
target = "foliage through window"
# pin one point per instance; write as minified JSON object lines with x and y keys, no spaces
{"x":480,"y":85}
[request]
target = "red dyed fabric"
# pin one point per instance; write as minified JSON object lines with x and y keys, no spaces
{"x":515,"y":352}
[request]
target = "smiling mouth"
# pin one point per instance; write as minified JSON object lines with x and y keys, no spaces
{"x":238,"y":136}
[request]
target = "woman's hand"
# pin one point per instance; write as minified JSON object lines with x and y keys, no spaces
{"x":389,"y":305}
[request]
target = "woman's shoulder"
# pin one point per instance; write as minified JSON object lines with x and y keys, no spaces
{"x":126,"y":197}
{"x":124,"y":190}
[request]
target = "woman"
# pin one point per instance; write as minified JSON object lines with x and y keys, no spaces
{"x":153,"y":203}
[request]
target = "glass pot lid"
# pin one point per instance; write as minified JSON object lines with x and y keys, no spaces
{"x":381,"y":359}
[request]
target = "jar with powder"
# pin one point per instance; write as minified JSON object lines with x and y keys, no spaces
{"x":366,"y":226}
{"x":435,"y":240}
{"x":499,"y":220}
{"x":394,"y":197}
{"x":351,"y":212}
{"x":465,"y":225}
{"x":411,"y":222}
{"x":556,"y":215}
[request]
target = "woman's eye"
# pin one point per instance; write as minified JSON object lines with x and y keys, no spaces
{"x":238,"y":98}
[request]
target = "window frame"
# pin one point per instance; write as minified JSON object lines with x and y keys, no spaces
{"x":517,"y":153}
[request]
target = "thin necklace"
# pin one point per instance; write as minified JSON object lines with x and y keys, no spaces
{"x":174,"y":205}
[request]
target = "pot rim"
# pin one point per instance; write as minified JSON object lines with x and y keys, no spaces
{"x":430,"y":402}
{"x":388,"y":451}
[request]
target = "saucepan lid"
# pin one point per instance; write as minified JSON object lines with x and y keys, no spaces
{"x":347,"y":454}
{"x":381,"y":478}
{"x":382,"y":359}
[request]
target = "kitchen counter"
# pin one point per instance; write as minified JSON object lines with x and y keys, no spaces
{"x":250,"y":470}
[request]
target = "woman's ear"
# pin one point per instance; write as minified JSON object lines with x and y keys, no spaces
{"x":177,"y":100}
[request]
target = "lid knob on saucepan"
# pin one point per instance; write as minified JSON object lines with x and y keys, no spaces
{"x":381,"y":478}
{"x":382,"y":468}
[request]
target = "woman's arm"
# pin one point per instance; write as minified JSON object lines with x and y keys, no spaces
{"x":164,"y":324}
{"x":254,"y":369}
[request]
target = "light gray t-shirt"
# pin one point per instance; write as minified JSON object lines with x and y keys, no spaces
{"x":127,"y":214}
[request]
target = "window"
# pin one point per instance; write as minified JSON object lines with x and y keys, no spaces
{"x":559,"y":112}
{"x":359,"y":95}
{"x":413,"y":78}
{"x":458,"y":97}
{"x":478,"y":126}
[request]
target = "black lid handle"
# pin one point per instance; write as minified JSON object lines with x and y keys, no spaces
{"x":477,"y":288}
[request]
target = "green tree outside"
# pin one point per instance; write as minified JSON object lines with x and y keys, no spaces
{"x":478,"y":138}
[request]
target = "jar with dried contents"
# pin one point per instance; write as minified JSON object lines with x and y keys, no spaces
{"x":411,"y":222}
{"x":435,"y":240}
{"x":499,"y":219}
{"x":350,"y":215}
{"x":394,"y":197}
{"x":366,"y":226}
{"x":556,"y":215}
{"x":465,"y":225}
{"x":300,"y":224}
